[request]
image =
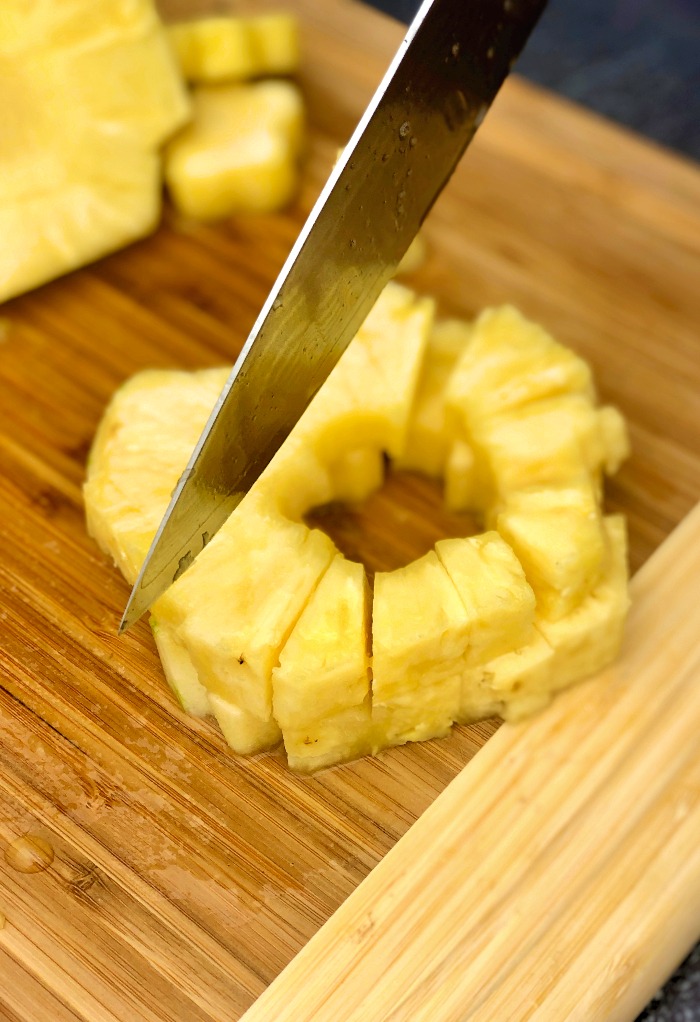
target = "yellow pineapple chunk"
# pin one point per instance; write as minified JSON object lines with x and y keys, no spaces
{"x":511,"y":685}
{"x":498,"y":602}
{"x":429,"y":436}
{"x":589,"y":637}
{"x":356,"y":474}
{"x":237,"y":604}
{"x":91,"y":92}
{"x":558,"y":536}
{"x":321,"y":689}
{"x":243,"y":731}
{"x":240,"y":151}
{"x":143,"y":443}
{"x":420,"y":633}
{"x":509,"y":362}
{"x":226,"y":49}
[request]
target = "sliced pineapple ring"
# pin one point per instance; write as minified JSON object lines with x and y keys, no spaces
{"x":270,"y":629}
{"x":91,"y":92}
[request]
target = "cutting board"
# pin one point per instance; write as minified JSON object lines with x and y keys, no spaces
{"x":146,"y":872}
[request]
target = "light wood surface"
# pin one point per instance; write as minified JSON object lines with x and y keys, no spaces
{"x":558,"y":876}
{"x":182,"y":878}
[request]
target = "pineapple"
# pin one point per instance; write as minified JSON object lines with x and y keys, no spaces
{"x":321,"y":687}
{"x":558,"y":536}
{"x":269,"y":630}
{"x":239,"y":153}
{"x":428,"y":441}
{"x":235,"y":609}
{"x":420,"y":632}
{"x":91,"y":92}
{"x":226,"y":49}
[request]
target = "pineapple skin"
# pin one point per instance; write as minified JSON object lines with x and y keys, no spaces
{"x":486,"y":625}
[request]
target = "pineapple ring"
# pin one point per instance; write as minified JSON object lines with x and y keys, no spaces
{"x":269,"y":628}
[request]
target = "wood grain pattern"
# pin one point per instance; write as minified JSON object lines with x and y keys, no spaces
{"x":558,"y":876}
{"x":184,"y":878}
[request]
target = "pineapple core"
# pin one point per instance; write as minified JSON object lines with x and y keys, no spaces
{"x":278,"y":635}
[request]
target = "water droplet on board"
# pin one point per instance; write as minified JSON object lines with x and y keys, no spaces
{"x":455,"y":50}
{"x":404,"y":129}
{"x":29,"y":854}
{"x":413,"y":141}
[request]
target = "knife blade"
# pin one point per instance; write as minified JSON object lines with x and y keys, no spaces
{"x":447,"y":71}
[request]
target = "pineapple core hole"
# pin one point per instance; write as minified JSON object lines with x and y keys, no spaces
{"x":398,"y":523}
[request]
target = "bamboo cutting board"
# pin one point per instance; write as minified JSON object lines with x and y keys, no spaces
{"x":147,"y":873}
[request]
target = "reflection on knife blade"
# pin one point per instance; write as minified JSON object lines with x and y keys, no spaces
{"x":432,"y":99}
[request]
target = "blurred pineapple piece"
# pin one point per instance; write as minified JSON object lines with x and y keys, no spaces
{"x":429,"y":435}
{"x":92,"y":90}
{"x":414,"y":257}
{"x":227,"y":49}
{"x":240,"y":152}
{"x":511,"y":361}
{"x":321,"y":688}
{"x":558,"y":535}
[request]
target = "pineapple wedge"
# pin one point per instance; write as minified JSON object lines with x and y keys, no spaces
{"x":239,"y":153}
{"x":227,"y":49}
{"x":321,"y":687}
{"x":91,"y":90}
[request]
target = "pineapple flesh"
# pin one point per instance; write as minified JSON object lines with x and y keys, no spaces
{"x":92,"y":90}
{"x":228,"y":49}
{"x":240,"y":151}
{"x":276,"y":634}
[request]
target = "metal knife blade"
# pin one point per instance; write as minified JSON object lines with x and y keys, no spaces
{"x":432,"y":99}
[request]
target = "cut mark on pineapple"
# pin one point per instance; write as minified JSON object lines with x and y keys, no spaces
{"x":371,"y":532}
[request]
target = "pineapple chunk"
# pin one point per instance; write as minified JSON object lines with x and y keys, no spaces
{"x":243,"y":731}
{"x":237,"y":604}
{"x":239,"y":153}
{"x":140,"y":449}
{"x":558,"y":536}
{"x":509,"y":362}
{"x":511,"y":685}
{"x":498,"y":602}
{"x":590,"y":636}
{"x":321,"y":689}
{"x":420,"y":632}
{"x":226,"y":49}
{"x":429,"y":437}
{"x":91,"y":90}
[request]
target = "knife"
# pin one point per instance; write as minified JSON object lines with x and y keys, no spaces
{"x":447,"y":71}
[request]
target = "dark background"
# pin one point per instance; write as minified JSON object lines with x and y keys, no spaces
{"x":635,"y":61}
{"x":638,"y":63}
